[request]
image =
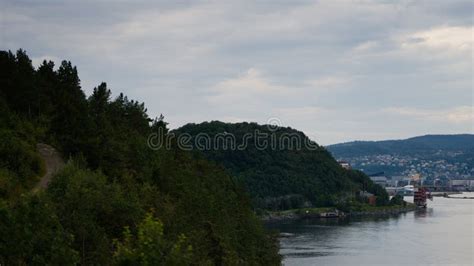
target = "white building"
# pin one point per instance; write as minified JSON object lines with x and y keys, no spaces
{"x":345,"y":165}
{"x":462,"y":184}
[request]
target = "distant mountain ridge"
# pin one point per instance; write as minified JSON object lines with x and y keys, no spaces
{"x":429,"y":154}
{"x":464,"y":142}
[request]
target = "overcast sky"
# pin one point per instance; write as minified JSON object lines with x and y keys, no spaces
{"x":337,"y":70}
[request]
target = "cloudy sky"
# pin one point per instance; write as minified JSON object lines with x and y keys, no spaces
{"x":337,"y":70}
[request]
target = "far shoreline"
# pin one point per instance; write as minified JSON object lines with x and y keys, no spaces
{"x":319,"y":213}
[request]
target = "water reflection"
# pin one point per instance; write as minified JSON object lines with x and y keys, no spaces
{"x":439,"y":235}
{"x":423,"y":213}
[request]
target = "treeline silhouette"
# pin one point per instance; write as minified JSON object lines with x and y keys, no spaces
{"x":116,"y":201}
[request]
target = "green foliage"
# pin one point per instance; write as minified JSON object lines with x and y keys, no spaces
{"x":18,"y":156}
{"x":17,"y":82}
{"x":93,"y":210}
{"x":70,"y":122}
{"x":118,"y":145}
{"x":286,"y":202}
{"x":226,"y":232}
{"x":284,"y":177}
{"x":31,"y":233}
{"x":149,"y":247}
{"x":111,"y":182}
{"x":20,"y":164}
{"x":397,"y":200}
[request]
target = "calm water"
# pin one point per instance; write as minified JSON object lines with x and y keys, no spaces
{"x":443,"y":234}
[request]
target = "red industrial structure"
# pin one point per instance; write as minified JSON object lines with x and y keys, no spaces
{"x":420,"y":196}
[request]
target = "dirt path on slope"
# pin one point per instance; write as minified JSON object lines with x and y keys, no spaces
{"x":53,"y":163}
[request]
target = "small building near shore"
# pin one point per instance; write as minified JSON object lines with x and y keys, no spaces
{"x":345,"y":165}
{"x":462,"y":184}
{"x":371,"y":198}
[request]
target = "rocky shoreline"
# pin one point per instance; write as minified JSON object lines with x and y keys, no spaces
{"x":383,"y":211}
{"x":309,"y":214}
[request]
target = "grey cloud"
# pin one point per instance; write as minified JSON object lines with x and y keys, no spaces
{"x":176,"y":56}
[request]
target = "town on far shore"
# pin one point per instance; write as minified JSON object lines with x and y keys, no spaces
{"x":404,"y":184}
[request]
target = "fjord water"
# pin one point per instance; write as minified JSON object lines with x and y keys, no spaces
{"x":442,"y":234}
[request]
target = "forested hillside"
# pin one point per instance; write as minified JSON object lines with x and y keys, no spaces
{"x":281,"y":176}
{"x":116,"y":201}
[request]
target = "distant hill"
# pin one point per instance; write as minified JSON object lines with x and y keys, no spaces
{"x":435,"y":155}
{"x":427,"y":143}
{"x":280,"y":178}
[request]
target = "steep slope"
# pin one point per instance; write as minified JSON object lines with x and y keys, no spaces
{"x":53,"y":163}
{"x":95,"y":210}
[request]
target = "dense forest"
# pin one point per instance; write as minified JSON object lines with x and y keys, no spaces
{"x":295,"y":172}
{"x":116,"y":201}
